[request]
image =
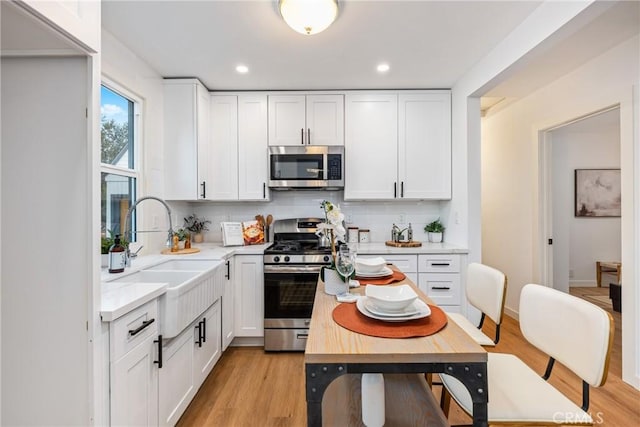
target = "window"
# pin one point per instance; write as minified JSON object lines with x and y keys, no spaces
{"x":119,"y":167}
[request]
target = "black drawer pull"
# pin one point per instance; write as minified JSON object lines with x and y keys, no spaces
{"x":440,"y":288}
{"x":137,"y":330}
{"x":159,"y":361}
{"x":440,"y":264}
{"x":228,"y":275}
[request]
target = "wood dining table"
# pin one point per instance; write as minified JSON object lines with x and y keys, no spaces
{"x":333,"y":351}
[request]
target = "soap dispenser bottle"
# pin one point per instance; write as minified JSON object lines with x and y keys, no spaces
{"x":117,"y":256}
{"x":410,"y":233}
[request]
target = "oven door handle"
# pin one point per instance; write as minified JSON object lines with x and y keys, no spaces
{"x":292,"y":268}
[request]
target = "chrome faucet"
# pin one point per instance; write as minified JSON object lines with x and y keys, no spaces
{"x":128,"y":217}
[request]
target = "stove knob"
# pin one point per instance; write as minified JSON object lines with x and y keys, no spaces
{"x":286,"y":259}
{"x":276,"y":258}
{"x":326,"y":258}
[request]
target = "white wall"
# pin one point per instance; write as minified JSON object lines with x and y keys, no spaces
{"x":378,"y":217}
{"x":578,"y":242}
{"x":510,"y":177}
{"x":126,"y":69}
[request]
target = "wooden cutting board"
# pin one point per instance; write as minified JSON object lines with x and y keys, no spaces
{"x":181,"y":251}
{"x":412,"y":244}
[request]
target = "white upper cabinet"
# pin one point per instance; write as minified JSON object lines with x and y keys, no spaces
{"x":252,"y":147}
{"x":186,"y":138}
{"x":424,"y":145}
{"x":223,"y":150}
{"x":406,"y":140}
{"x":306,"y":119}
{"x":371,"y":141}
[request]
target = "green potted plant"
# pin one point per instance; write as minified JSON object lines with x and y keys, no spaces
{"x":434,"y":230}
{"x":196,"y":226}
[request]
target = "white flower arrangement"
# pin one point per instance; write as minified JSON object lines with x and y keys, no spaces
{"x":334,"y":225}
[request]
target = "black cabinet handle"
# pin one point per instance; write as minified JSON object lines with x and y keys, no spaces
{"x":401,"y":188}
{"x":395,"y":190}
{"x":159,"y":361}
{"x":309,"y":136}
{"x":204,"y":329}
{"x":228,"y":275}
{"x":199,"y":328}
{"x":302,"y":136}
{"x":264,"y":190}
{"x":440,"y":288}
{"x":137,"y":330}
{"x":204,"y":189}
{"x":440,"y":264}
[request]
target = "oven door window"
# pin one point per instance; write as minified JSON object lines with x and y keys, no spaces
{"x":289,"y":295}
{"x":297,"y":166}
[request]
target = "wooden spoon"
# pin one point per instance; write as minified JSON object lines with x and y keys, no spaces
{"x":269,"y":219}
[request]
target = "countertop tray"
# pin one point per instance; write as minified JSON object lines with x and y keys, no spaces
{"x":412,"y":244}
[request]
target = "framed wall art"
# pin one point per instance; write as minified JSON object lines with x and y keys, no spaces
{"x":597,"y":193}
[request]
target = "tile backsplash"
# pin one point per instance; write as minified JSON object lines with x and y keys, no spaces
{"x":376,"y":216}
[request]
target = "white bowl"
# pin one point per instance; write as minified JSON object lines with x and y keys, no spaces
{"x":391,"y":298}
{"x":370,"y":265}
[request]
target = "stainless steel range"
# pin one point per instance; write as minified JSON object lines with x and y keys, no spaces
{"x":291,"y":268}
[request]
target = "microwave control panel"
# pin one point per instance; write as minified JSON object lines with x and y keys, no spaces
{"x":334,"y":166}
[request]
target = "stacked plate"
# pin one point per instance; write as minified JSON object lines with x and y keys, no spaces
{"x":372,"y":267}
{"x":392,"y":304}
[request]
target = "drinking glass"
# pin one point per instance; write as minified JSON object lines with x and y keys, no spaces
{"x":346,"y":264}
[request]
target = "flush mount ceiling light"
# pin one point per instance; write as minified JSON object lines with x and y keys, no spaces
{"x":309,"y":16}
{"x":242,"y":69}
{"x":382,"y":68}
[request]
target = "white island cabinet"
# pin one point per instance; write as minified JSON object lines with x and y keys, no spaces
{"x":311,"y":119}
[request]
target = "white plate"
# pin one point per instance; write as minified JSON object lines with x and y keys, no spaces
{"x":423,"y":311}
{"x":408,"y":311}
{"x":386,"y":271}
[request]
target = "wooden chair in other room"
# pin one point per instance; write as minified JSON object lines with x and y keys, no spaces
{"x":572,"y":331}
{"x":486,"y":290}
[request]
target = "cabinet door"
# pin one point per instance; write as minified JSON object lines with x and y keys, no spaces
{"x":442,"y":288}
{"x":203,"y":143}
{"x":252,"y":148}
{"x":134,"y":387}
{"x":228,"y":307}
{"x":207,"y":343}
{"x":371,"y":140}
{"x":287,"y":121}
{"x":176,"y":380}
{"x":222,"y":154}
{"x":249,"y":296}
{"x":325,"y":120}
{"x":424,"y":145}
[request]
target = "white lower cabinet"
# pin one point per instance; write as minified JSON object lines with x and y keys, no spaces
{"x":187,"y":360}
{"x":407,"y":263}
{"x":133,"y":367}
{"x":249,"y":296}
{"x":439,"y":277}
{"x":228,"y":308}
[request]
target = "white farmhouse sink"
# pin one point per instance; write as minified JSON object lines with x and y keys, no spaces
{"x":192,"y":289}
{"x":185,"y":265}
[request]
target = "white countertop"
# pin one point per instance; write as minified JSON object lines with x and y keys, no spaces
{"x":118,"y":298}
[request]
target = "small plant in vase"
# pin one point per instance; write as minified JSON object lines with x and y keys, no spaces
{"x":435,"y":230}
{"x":196,"y":226}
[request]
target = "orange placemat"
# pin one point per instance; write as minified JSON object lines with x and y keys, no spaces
{"x":396,"y":276}
{"x":348,"y":316}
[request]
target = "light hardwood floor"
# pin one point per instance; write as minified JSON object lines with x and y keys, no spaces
{"x":249,"y":387}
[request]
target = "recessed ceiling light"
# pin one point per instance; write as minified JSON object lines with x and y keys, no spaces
{"x":242,"y":69}
{"x":383,"y":68}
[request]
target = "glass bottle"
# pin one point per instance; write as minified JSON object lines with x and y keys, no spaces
{"x":117,"y":256}
{"x":410,"y":233}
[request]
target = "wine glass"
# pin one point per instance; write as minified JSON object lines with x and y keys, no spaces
{"x":346,"y":264}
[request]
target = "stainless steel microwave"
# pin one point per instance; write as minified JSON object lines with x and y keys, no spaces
{"x":306,"y":167}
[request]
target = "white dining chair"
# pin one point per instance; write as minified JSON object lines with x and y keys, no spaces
{"x":569,"y":330}
{"x":485,"y":290}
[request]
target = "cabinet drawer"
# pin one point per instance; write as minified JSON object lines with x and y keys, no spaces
{"x":443,"y":289}
{"x":130,"y":330}
{"x":406,"y":263}
{"x":445,"y":263}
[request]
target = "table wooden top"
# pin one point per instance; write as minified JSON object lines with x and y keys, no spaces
{"x":328,"y":342}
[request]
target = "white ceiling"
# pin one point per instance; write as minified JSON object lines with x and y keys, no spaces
{"x":428,"y":44}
